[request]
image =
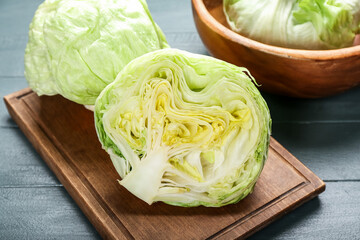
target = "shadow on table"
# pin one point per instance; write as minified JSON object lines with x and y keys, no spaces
{"x":320,"y":132}
{"x":338,"y":108}
{"x":287,"y":226}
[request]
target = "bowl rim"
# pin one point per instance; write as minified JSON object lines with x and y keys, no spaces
{"x":212,"y":23}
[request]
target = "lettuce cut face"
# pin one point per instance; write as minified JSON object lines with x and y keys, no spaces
{"x":303,"y":24}
{"x":77,"y":47}
{"x":184,"y":129}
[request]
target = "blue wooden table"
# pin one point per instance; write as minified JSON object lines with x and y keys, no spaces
{"x":324,"y":134}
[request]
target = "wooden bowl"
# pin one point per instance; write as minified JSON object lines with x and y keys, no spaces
{"x":291,"y":72}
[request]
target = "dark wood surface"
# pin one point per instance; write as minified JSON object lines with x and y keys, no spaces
{"x":324,"y":134}
{"x":63,"y":133}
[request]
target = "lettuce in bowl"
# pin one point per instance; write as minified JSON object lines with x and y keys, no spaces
{"x":300,"y":24}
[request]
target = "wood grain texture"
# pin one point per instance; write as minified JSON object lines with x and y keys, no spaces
{"x":49,"y":213}
{"x":341,"y":108}
{"x":13,"y":35}
{"x":20,"y":165}
{"x":315,"y":219}
{"x":292,"y":72}
{"x":173,"y":16}
{"x":73,"y":153}
{"x":41,"y":213}
{"x":31,"y":198}
{"x":331,"y":149}
{"x":9,"y":85}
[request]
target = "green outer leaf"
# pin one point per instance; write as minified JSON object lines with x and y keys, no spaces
{"x":77,"y":47}
{"x":331,"y":19}
{"x":40,"y":79}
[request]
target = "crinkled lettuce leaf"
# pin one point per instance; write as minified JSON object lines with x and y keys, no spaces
{"x":77,"y":47}
{"x":184,"y":129}
{"x":302,"y":24}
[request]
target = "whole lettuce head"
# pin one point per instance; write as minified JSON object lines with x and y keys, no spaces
{"x":184,"y":129}
{"x":77,"y":47}
{"x":302,"y":24}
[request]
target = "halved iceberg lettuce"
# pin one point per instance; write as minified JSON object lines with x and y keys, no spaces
{"x":184,"y":129}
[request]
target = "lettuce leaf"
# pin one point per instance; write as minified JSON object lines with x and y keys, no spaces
{"x":77,"y":47}
{"x":302,"y":24}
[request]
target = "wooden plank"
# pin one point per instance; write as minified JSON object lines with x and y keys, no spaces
{"x":339,"y":108}
{"x":172,"y":15}
{"x":42,"y":213}
{"x":49,"y":213}
{"x":334,"y":215}
{"x":16,"y":15}
{"x":190,"y":42}
{"x":331,"y":149}
{"x":87,"y":201}
{"x":32,"y":213}
{"x":15,"y":18}
{"x":20,"y":165}
{"x":74,"y":154}
{"x":9,"y":85}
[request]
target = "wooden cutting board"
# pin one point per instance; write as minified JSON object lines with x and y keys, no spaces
{"x":63,"y":133}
